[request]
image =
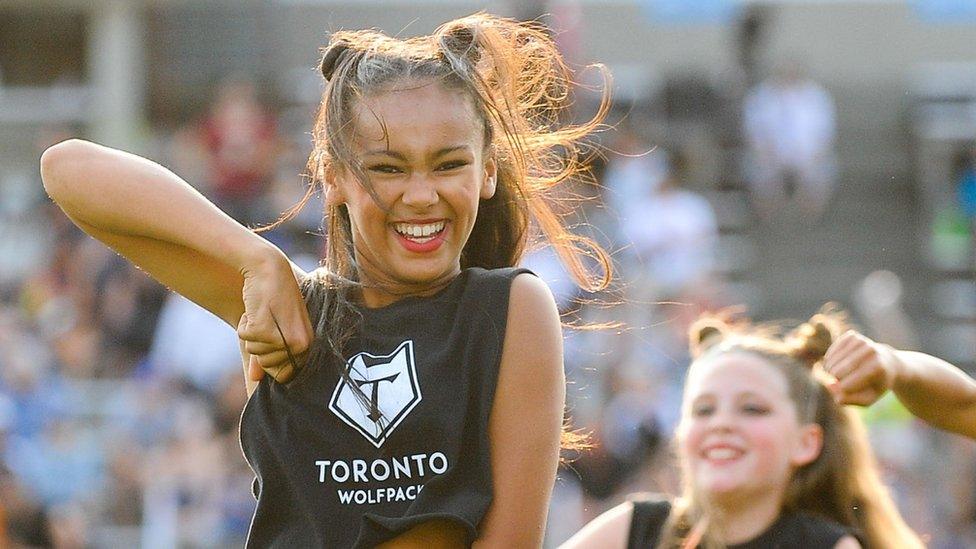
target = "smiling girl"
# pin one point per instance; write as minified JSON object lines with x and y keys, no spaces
{"x":768,"y":458}
{"x":414,"y":390}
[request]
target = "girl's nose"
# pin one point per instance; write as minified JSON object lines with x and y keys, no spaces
{"x":722,"y":419}
{"x":420,"y":192}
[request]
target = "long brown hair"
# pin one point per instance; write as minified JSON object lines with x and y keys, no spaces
{"x":519,"y":86}
{"x":842,"y":484}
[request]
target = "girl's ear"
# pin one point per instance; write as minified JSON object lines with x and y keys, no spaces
{"x":809,"y":444}
{"x":333,"y":193}
{"x":491,"y":179}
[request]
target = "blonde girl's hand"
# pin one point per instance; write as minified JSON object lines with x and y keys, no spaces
{"x":865,"y":369}
{"x":275,"y":327}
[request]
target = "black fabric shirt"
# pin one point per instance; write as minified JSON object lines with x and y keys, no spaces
{"x":333,"y":470}
{"x":790,"y":531}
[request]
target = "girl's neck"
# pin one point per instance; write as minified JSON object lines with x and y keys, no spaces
{"x":746,"y":518}
{"x":375,"y":295}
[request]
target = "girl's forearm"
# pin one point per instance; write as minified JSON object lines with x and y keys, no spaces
{"x":933,"y":389}
{"x":128,"y":195}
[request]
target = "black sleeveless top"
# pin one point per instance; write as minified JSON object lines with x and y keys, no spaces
{"x":335,"y":469}
{"x":791,"y":530}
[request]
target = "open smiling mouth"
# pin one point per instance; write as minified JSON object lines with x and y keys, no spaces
{"x":421,"y":237}
{"x":722,"y":454}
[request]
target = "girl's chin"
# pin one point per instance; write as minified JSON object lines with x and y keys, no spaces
{"x":428,"y":275}
{"x":733,"y":493}
{"x":411,"y":270}
{"x":722,"y":489}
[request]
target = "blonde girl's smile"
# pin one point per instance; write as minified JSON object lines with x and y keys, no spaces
{"x":721,"y":454}
{"x":740,"y":432}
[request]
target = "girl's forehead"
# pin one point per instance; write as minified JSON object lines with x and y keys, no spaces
{"x":414,"y":110}
{"x":734,"y":372}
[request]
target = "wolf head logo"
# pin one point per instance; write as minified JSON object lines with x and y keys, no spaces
{"x":391,"y":389}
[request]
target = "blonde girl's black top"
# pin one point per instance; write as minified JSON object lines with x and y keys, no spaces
{"x":790,"y":531}
{"x":333,"y":469}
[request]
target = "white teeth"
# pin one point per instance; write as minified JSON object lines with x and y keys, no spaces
{"x":419,"y":231}
{"x":722,"y":453}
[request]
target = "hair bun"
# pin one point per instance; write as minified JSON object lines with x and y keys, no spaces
{"x":705,"y":333}
{"x":331,"y":58}
{"x":460,"y":40}
{"x":812,"y":339}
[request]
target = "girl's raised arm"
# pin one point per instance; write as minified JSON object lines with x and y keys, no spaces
{"x":168,"y":229}
{"x":931,"y":388}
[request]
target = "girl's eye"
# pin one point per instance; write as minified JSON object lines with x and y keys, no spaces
{"x":385,"y":169}
{"x":453,"y":165}
{"x":702,"y":410}
{"x":755,"y":409}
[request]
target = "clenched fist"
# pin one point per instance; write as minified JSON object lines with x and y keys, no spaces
{"x":865,"y":369}
{"x":275,"y":327}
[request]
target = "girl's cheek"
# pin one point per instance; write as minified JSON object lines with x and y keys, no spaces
{"x":688,"y":436}
{"x":770,"y":438}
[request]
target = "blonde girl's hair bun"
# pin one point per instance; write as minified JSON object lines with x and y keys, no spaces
{"x":705,"y":333}
{"x":810,"y":341}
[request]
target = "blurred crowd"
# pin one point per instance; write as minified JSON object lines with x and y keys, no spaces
{"x":120,"y":401}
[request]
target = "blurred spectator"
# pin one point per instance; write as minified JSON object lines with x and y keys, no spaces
{"x":240,"y":143}
{"x":750,"y":35}
{"x":630,"y":177}
{"x":24,"y":239}
{"x":192,"y":344}
{"x":62,"y":465}
{"x":630,"y":430}
{"x":635,"y":172}
{"x":123,"y":503}
{"x":790,"y":129}
{"x":127,"y":302}
{"x":25,"y":522}
{"x":673,"y":232}
{"x":28,"y":226}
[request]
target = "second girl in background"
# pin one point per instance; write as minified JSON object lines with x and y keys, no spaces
{"x":768,"y":457}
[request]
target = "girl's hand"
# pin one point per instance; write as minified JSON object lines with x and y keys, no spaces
{"x":865,"y":369}
{"x":275,"y":327}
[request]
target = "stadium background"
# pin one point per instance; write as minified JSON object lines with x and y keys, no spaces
{"x":119,"y":403}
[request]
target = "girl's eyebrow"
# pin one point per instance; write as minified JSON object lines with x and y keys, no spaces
{"x":386,"y":152}
{"x":448,"y":150}
{"x":738,"y":396}
{"x":750,"y":394}
{"x":400,"y":156}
